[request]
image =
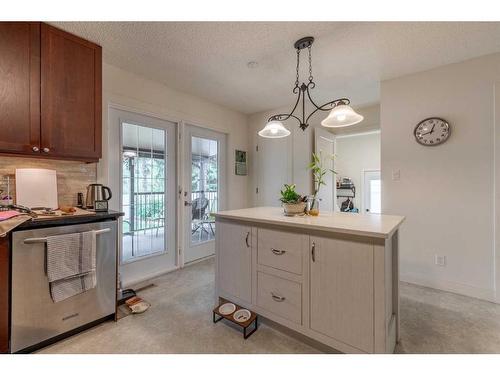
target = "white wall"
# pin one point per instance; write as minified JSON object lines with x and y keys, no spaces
{"x":445,"y":192}
{"x":131,"y":92}
{"x":355,"y":154}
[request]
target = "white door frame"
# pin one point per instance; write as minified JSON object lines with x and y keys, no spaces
{"x":148,"y":266}
{"x":189,"y":130}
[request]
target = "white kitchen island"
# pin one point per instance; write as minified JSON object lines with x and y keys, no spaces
{"x":333,"y":278}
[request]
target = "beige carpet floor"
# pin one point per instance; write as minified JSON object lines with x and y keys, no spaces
{"x":180,"y":321}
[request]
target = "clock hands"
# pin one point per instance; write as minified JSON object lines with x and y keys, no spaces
{"x":429,"y":132}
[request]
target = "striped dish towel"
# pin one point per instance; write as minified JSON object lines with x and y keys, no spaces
{"x":71,"y":264}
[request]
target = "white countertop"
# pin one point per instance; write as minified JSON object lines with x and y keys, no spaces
{"x":371,"y":225}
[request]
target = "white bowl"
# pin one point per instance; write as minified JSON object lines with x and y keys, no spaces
{"x":242,"y":315}
{"x":227,"y":308}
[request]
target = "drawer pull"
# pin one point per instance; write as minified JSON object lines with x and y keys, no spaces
{"x":277,"y":298}
{"x":246,"y":239}
{"x":278,"y":252}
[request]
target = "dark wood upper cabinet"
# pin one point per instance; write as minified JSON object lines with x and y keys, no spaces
{"x":4,"y":294}
{"x":70,"y":95}
{"x":50,"y":93}
{"x":20,"y":87}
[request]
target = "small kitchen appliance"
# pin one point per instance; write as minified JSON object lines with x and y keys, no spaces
{"x":97,"y":192}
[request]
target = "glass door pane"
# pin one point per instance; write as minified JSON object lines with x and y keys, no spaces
{"x":204,"y":188}
{"x":204,"y":168}
{"x":143,"y":191}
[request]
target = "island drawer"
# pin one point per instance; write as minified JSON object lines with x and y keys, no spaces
{"x":281,"y":250}
{"x":280,"y":296}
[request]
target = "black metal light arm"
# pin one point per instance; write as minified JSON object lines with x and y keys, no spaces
{"x":301,"y":90}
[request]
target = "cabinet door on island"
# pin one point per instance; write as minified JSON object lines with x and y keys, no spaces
{"x":235,"y":260}
{"x":342,"y":291}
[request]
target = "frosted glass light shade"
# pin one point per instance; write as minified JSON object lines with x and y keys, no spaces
{"x":340,"y":116}
{"x":274,"y":129}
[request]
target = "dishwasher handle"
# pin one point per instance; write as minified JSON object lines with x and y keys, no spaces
{"x":44,"y":239}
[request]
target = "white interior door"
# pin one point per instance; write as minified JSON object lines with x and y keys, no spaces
{"x":145,"y":181}
{"x":274,"y":167}
{"x":372,"y":192}
{"x":204,"y":189}
{"x":324,"y":143}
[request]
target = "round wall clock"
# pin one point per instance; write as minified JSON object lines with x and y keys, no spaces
{"x":432,"y":131}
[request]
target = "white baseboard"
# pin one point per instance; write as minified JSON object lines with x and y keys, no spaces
{"x":450,"y":286}
{"x":144,"y":280}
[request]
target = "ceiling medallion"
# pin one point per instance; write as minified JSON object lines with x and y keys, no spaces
{"x":341,"y":114}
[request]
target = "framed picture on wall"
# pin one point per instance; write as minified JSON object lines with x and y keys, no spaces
{"x":240,"y":163}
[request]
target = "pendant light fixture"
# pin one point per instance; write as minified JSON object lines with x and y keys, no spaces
{"x":341,"y":114}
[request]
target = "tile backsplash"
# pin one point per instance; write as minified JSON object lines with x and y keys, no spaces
{"x":72,"y":176}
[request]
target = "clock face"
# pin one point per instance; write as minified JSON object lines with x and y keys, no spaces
{"x":432,"y":131}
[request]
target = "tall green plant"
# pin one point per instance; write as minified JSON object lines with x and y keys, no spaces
{"x":319,"y":172}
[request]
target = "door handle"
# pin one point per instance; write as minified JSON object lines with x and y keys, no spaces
{"x":186,"y":203}
{"x":246,"y":239}
{"x":277,"y":298}
{"x":313,"y":251}
{"x":277,"y":251}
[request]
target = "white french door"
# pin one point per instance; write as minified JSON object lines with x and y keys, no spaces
{"x":204,"y":167}
{"x":145,"y":177}
{"x":372,"y":196}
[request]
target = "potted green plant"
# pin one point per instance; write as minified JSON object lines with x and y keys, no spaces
{"x":293,"y":202}
{"x":319,"y":172}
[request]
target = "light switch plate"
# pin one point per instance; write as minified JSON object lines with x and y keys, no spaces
{"x":396,"y":175}
{"x":440,"y":260}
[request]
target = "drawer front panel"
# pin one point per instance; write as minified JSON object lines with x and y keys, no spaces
{"x":279,"y":296}
{"x":281,"y":250}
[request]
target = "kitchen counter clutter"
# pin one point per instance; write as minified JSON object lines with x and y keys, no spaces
{"x":333,"y":278}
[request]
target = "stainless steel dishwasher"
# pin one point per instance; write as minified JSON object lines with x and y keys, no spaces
{"x":35,"y":318}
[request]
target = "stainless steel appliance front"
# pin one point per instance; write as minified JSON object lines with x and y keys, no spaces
{"x":34,"y":316}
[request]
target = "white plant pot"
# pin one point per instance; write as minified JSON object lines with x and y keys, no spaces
{"x":292,"y":209}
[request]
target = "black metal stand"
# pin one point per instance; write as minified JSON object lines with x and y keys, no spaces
{"x":217,"y":318}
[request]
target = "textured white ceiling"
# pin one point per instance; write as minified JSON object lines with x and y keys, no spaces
{"x":209,"y":59}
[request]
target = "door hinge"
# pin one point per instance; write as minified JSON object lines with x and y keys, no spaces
{"x":257,"y":148}
{"x":256,"y":190}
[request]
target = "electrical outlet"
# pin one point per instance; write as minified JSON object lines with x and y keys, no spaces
{"x":396,"y":175}
{"x":440,"y":260}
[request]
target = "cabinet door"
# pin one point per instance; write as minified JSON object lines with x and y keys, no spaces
{"x":234,"y":254}
{"x":342,"y":291}
{"x":4,"y":294}
{"x":71,"y":70}
{"x":20,"y":87}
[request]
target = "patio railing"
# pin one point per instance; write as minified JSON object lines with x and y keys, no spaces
{"x":210,"y":195}
{"x":148,"y":210}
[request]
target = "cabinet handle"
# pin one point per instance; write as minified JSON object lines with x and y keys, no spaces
{"x":246,"y":239}
{"x":35,"y":149}
{"x":46,"y":150}
{"x":313,"y":251}
{"x":278,"y":252}
{"x":277,"y":298}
